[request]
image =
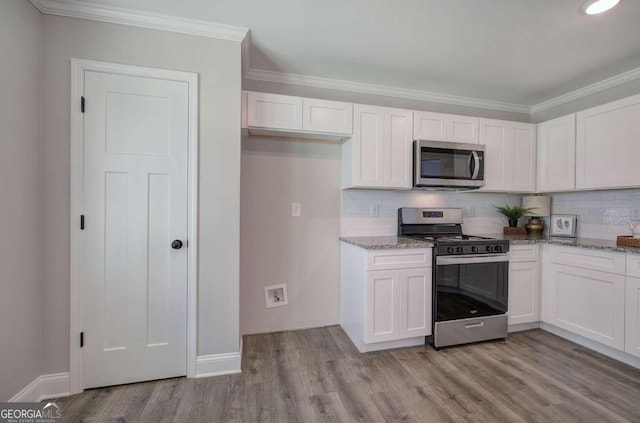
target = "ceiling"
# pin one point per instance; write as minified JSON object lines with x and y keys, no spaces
{"x":523,"y":52}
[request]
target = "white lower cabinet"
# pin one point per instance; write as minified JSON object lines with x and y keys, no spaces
{"x":385,"y":296}
{"x":632,"y":317}
{"x":524,"y":284}
{"x":587,"y":302}
{"x":398,"y":304}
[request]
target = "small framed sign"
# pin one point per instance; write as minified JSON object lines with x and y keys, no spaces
{"x":563,"y":225}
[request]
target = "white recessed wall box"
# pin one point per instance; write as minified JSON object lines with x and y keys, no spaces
{"x":275,"y":295}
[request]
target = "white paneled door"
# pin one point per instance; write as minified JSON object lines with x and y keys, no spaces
{"x":135,"y":203}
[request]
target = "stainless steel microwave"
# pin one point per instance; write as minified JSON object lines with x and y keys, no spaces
{"x":447,"y":165}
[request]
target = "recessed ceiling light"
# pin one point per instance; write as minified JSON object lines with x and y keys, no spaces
{"x":593,"y":7}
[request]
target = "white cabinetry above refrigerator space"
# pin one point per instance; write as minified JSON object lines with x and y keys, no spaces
{"x":296,"y":117}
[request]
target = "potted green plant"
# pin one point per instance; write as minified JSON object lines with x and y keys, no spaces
{"x":512,"y":213}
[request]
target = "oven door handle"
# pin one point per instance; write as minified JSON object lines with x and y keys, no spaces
{"x":471,"y":259}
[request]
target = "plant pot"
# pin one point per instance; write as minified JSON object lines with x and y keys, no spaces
{"x":513,"y":223}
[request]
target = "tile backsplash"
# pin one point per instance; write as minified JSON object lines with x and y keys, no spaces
{"x":480,"y":217}
{"x":601,"y":214}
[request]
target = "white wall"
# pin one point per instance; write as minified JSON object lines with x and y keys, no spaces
{"x":596,"y":99}
{"x":601,"y":214}
{"x":278,"y":248}
{"x":480,"y":215}
{"x":218,"y":64}
{"x":20,"y":205}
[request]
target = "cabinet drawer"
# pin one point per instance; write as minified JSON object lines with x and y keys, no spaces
{"x":398,"y":259}
{"x":590,"y":259}
{"x":518,"y":253}
{"x":633,"y":265}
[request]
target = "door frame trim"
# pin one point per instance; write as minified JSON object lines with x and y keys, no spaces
{"x":78,"y":68}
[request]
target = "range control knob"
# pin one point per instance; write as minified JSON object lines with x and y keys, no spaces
{"x":489,"y":248}
{"x":498,"y":248}
{"x":474,"y":249}
{"x":449,"y":250}
{"x":459,"y":250}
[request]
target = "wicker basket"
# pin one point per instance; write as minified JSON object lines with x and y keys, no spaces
{"x":520,"y":230}
{"x":628,"y":241}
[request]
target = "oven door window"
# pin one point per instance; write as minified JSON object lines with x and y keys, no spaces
{"x":440,"y":163}
{"x":471,"y":290}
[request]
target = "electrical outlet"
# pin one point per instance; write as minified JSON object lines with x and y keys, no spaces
{"x":471,"y":211}
{"x":374,"y":210}
{"x":296,"y":209}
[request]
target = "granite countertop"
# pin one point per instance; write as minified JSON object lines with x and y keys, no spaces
{"x":593,"y":243}
{"x":392,"y":242}
{"x":385,"y":242}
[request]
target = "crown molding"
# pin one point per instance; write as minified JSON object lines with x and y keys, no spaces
{"x":94,"y":12}
{"x":605,"y":84}
{"x":359,"y":87}
{"x":101,"y":13}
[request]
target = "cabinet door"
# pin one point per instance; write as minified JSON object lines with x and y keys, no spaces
{"x":524,"y":288}
{"x":510,"y":155}
{"x":381,"y":300}
{"x":463,"y":129}
{"x":445,"y":127}
{"x":274,"y":111}
{"x":557,"y":154}
{"x":632,"y":317}
{"x":398,"y":142}
{"x":415,"y":303}
{"x":588,"y":303}
{"x":607,"y":147}
{"x":368,"y":148}
{"x":429,"y":126}
{"x":332,"y":117}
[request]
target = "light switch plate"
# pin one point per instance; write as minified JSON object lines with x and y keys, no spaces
{"x":296,"y":209}
{"x":374,"y":210}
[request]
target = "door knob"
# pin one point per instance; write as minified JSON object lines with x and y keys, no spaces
{"x":176,"y":244}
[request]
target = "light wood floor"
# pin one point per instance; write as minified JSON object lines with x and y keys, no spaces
{"x":317,"y":375}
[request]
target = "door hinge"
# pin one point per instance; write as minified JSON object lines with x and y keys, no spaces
{"x":81,"y":339}
{"x":82,"y":222}
{"x":82,"y":104}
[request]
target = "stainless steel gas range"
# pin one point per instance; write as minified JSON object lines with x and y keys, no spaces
{"x":470,"y":277}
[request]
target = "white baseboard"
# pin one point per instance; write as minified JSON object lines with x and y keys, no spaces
{"x":44,"y":387}
{"x":523,"y":326}
{"x":219,"y":364}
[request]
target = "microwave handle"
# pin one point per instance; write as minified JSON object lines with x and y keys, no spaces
{"x":474,"y":164}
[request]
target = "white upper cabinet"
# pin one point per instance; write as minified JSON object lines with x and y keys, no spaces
{"x":607,"y":145}
{"x":445,"y":127}
{"x":379,"y":154}
{"x":287,"y":116}
{"x":274,"y":111}
{"x":557,"y":154}
{"x":327,"y":116}
{"x":510,"y":155}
